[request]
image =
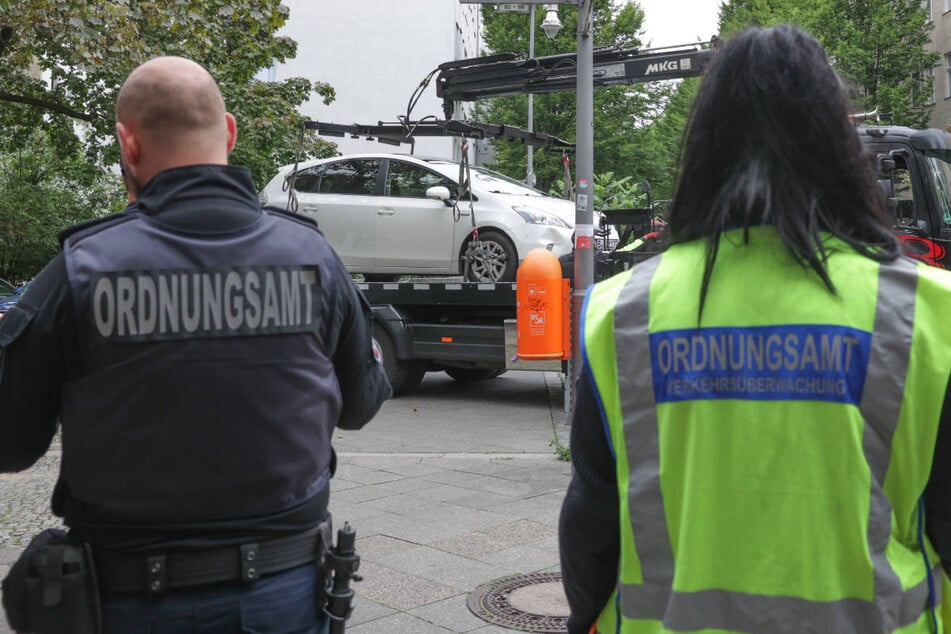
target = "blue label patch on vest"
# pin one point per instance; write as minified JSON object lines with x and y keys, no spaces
{"x":175,"y":304}
{"x":765,"y":363}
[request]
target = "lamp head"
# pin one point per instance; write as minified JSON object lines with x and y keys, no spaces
{"x":551,"y":25}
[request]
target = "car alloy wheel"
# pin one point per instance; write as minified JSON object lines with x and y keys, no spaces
{"x":491,"y":259}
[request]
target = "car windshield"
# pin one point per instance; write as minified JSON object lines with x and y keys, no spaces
{"x":497,"y":183}
{"x":489,"y":181}
{"x":6,"y":288}
{"x":939,"y":167}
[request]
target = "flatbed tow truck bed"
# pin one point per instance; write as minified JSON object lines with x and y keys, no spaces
{"x":466,"y":329}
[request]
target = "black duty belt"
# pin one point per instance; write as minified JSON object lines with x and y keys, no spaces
{"x":158,"y":573}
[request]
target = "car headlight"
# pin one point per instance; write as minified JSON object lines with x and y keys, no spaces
{"x":536,"y":217}
{"x":262,"y":197}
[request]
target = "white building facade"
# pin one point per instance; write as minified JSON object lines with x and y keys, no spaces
{"x":375,"y":53}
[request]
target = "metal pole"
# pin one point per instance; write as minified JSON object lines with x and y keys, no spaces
{"x":530,"y":175}
{"x":584,"y":173}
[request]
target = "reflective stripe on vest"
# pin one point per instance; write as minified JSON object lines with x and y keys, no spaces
{"x":882,"y":396}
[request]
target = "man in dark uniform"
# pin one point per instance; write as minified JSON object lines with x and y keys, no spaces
{"x":198,"y":352}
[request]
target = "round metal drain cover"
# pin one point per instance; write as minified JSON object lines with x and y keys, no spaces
{"x":530,"y":603}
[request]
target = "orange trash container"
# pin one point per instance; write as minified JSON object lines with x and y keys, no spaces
{"x":542,"y":307}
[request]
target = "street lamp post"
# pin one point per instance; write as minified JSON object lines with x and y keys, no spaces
{"x":551,"y":26}
{"x":530,"y":171}
{"x":584,"y":179}
{"x":584,"y":168}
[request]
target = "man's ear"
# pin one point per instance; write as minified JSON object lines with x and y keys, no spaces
{"x":129,"y":142}
{"x":232,"y":130}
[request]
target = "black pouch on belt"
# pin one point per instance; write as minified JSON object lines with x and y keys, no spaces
{"x":54,"y":582}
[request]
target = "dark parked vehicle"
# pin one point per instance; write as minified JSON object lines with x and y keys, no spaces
{"x":9,"y":295}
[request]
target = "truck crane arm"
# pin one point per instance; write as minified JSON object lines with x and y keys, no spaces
{"x":502,"y":75}
{"x":405,"y":131}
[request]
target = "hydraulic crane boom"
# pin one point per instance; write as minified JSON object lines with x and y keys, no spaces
{"x":501,"y":75}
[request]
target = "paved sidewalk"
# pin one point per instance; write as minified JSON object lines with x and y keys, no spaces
{"x":448,"y":489}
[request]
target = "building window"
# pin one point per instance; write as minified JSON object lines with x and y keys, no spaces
{"x":947,"y":5}
{"x":923,"y":90}
{"x":947,"y":70}
{"x":929,"y":7}
{"x":931,"y":76}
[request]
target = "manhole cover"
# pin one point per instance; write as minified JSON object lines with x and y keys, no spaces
{"x":530,"y":603}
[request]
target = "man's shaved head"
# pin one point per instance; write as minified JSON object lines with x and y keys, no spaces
{"x":170,"y":96}
{"x":170,"y":113}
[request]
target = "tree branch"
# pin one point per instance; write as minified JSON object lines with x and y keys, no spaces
{"x":6,"y":34}
{"x":46,"y":105}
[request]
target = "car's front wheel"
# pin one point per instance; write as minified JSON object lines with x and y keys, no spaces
{"x":491,"y":258}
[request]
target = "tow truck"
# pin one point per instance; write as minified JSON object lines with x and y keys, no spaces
{"x":914,"y":169}
{"x":468,"y":329}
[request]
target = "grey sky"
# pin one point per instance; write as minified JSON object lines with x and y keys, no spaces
{"x":672,"y":22}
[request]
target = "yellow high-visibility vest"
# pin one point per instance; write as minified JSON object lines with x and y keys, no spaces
{"x":771,"y":457}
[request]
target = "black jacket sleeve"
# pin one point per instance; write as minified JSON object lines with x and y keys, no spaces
{"x":588,"y":533}
{"x":937,"y":497}
{"x":34,"y":336}
{"x":363,"y":383}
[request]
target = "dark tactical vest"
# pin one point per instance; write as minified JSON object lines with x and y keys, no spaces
{"x":206,"y":389}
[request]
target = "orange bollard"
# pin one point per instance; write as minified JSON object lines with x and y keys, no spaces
{"x":541,"y":307}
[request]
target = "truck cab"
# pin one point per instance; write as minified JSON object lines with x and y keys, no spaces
{"x":915,"y":172}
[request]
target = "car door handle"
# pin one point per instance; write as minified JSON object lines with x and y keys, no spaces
{"x":386,"y":211}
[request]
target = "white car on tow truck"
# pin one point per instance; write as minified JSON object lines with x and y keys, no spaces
{"x":389,"y":215}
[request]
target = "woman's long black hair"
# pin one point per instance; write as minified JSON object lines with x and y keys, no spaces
{"x":770,"y":142}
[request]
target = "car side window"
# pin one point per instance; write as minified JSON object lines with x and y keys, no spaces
{"x":904,"y":193}
{"x":411,"y":181}
{"x":355,"y":177}
{"x":306,"y":180}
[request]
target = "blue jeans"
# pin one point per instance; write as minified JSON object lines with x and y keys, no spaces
{"x":283,"y":603}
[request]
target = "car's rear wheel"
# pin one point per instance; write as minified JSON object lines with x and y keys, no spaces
{"x":468,"y":375}
{"x":404,"y":375}
{"x":491,"y":258}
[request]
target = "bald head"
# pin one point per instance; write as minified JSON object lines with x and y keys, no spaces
{"x":170,"y":113}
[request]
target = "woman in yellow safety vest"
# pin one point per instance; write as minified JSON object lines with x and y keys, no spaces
{"x":758,"y":410}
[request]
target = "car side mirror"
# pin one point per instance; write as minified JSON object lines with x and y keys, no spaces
{"x":439,"y":192}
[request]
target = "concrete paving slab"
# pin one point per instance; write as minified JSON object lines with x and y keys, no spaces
{"x":366,"y":610}
{"x":453,"y":614}
{"x":421,"y":531}
{"x":422,"y":466}
{"x":399,"y":590}
{"x":373,"y":547}
{"x":364,"y":475}
{"x":524,"y":559}
{"x":546,"y":507}
{"x":355,"y":494}
{"x":481,"y":500}
{"x":492,"y":540}
{"x":448,"y":492}
{"x":401,"y":623}
{"x":442,"y":567}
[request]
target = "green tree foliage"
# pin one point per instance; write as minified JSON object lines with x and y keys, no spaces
{"x":876,"y":45}
{"x":44,"y":187}
{"x":633,"y":137}
{"x":84,"y":51}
